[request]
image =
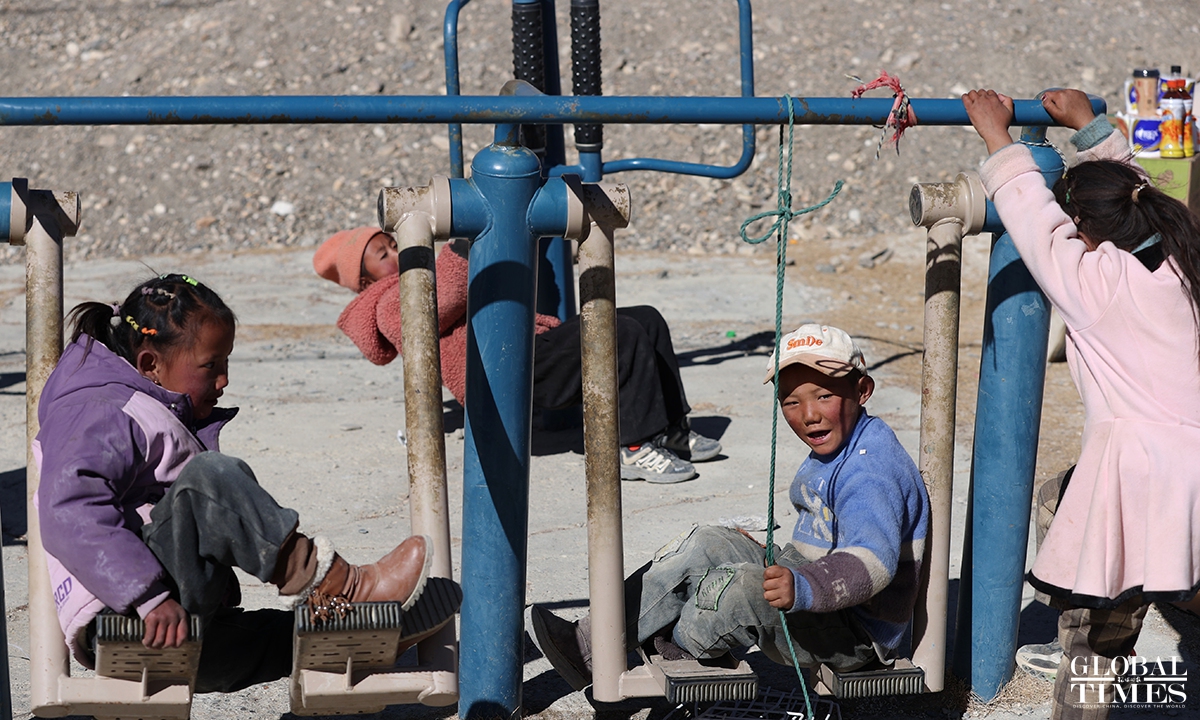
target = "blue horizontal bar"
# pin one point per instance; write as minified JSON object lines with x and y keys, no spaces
{"x":314,"y":109}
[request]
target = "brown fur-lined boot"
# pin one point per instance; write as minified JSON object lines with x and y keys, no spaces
{"x":310,"y":570}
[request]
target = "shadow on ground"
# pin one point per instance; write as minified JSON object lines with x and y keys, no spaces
{"x":13,"y":519}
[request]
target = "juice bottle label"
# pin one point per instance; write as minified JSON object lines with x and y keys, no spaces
{"x":1172,"y":128}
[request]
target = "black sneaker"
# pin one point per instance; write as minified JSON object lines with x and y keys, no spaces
{"x":563,"y":645}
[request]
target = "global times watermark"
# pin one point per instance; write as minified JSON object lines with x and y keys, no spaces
{"x":1136,"y":682}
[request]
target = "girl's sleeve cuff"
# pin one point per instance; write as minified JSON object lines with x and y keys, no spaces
{"x":1092,"y":134}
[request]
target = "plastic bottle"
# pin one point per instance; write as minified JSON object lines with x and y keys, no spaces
{"x":1189,"y":147}
{"x":1145,"y":91}
{"x":1172,"y":108}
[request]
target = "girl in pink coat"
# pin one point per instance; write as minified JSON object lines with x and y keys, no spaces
{"x":1120,"y":260}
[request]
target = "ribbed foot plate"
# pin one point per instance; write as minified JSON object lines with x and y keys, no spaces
{"x":370,"y":635}
{"x":903,"y":678}
{"x":121,"y":654}
{"x":695,"y":681}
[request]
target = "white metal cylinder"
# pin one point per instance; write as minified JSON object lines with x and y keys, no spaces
{"x":43,"y":346}
{"x":939,"y":380}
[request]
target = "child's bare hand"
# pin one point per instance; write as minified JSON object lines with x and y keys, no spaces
{"x":166,"y":625}
{"x":1070,"y":108}
{"x":991,"y":113}
{"x":779,"y":588}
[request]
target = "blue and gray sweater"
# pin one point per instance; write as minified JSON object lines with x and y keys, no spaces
{"x":864,"y":516}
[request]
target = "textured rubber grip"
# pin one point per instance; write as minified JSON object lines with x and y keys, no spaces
{"x":529,"y":58}
{"x":585,"y":65}
{"x":529,"y":62}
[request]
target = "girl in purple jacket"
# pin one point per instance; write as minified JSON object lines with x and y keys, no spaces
{"x":140,"y":513}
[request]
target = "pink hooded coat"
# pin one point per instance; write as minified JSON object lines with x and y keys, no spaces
{"x":372,"y":320}
{"x":1130,"y":519}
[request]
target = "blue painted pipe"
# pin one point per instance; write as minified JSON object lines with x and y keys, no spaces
{"x":323,"y":109}
{"x":1012,"y":375}
{"x":5,"y":210}
{"x":746,"y":58}
{"x":450,"y":52}
{"x":502,"y":277}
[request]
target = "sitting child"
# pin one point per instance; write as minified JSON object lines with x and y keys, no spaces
{"x":658,"y":444}
{"x":141,"y":514}
{"x":847,"y":581}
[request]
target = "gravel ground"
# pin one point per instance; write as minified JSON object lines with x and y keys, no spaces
{"x":170,"y":189}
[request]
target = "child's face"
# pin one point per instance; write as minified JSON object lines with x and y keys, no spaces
{"x":822,"y":410}
{"x":201,"y":370}
{"x":381,"y":258}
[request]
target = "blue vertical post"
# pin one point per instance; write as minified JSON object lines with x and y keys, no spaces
{"x":5,"y":685}
{"x":502,"y":281}
{"x":1012,"y":376}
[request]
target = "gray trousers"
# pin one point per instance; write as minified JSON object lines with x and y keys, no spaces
{"x":707,"y":585}
{"x":216,"y":517}
{"x":1085,"y":633}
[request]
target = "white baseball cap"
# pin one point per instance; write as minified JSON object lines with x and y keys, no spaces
{"x":821,"y":347}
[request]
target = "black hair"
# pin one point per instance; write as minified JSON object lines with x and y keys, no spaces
{"x":1114,"y":202}
{"x":164,"y":313}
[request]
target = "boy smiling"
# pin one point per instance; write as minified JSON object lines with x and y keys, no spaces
{"x":848,"y":579}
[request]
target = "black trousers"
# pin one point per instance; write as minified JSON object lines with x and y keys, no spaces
{"x":650,"y":390}
{"x":215,"y":517}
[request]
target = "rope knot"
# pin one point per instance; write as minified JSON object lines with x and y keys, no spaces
{"x":900,"y":118}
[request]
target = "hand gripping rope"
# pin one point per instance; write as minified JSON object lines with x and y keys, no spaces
{"x":783,"y":214}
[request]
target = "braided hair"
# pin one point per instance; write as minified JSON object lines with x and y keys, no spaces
{"x":1111,"y":201}
{"x":163,"y":314}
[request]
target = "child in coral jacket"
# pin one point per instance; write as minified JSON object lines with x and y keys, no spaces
{"x":658,"y":444}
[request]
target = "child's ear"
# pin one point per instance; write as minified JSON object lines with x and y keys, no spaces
{"x":148,"y":364}
{"x":866,"y":386}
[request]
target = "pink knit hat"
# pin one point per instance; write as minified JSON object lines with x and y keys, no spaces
{"x":340,"y":257}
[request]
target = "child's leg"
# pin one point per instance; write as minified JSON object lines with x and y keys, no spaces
{"x":659,"y":334}
{"x":728,"y":611}
{"x":1091,"y":638}
{"x":216,"y":516}
{"x":660,"y":592}
{"x":558,"y":377}
{"x":655,"y":595}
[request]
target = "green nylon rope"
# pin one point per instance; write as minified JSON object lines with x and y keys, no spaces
{"x":783,"y":215}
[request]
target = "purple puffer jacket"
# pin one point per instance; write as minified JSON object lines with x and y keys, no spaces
{"x":110,"y":444}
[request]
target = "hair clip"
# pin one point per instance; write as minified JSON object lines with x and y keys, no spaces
{"x":116,"y":308}
{"x":138,"y":328}
{"x":188,"y":280}
{"x":1137,"y":189}
{"x":157,"y":291}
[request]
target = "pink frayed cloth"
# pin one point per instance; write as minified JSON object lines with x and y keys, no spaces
{"x":372,"y":321}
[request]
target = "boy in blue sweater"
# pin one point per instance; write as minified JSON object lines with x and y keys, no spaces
{"x":848,"y":579}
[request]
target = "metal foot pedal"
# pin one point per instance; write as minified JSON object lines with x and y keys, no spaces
{"x":370,"y":635}
{"x":121,"y":654}
{"x":702,"y":681}
{"x":903,"y":678}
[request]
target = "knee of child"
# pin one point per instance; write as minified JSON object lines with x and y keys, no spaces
{"x":212,"y":470}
